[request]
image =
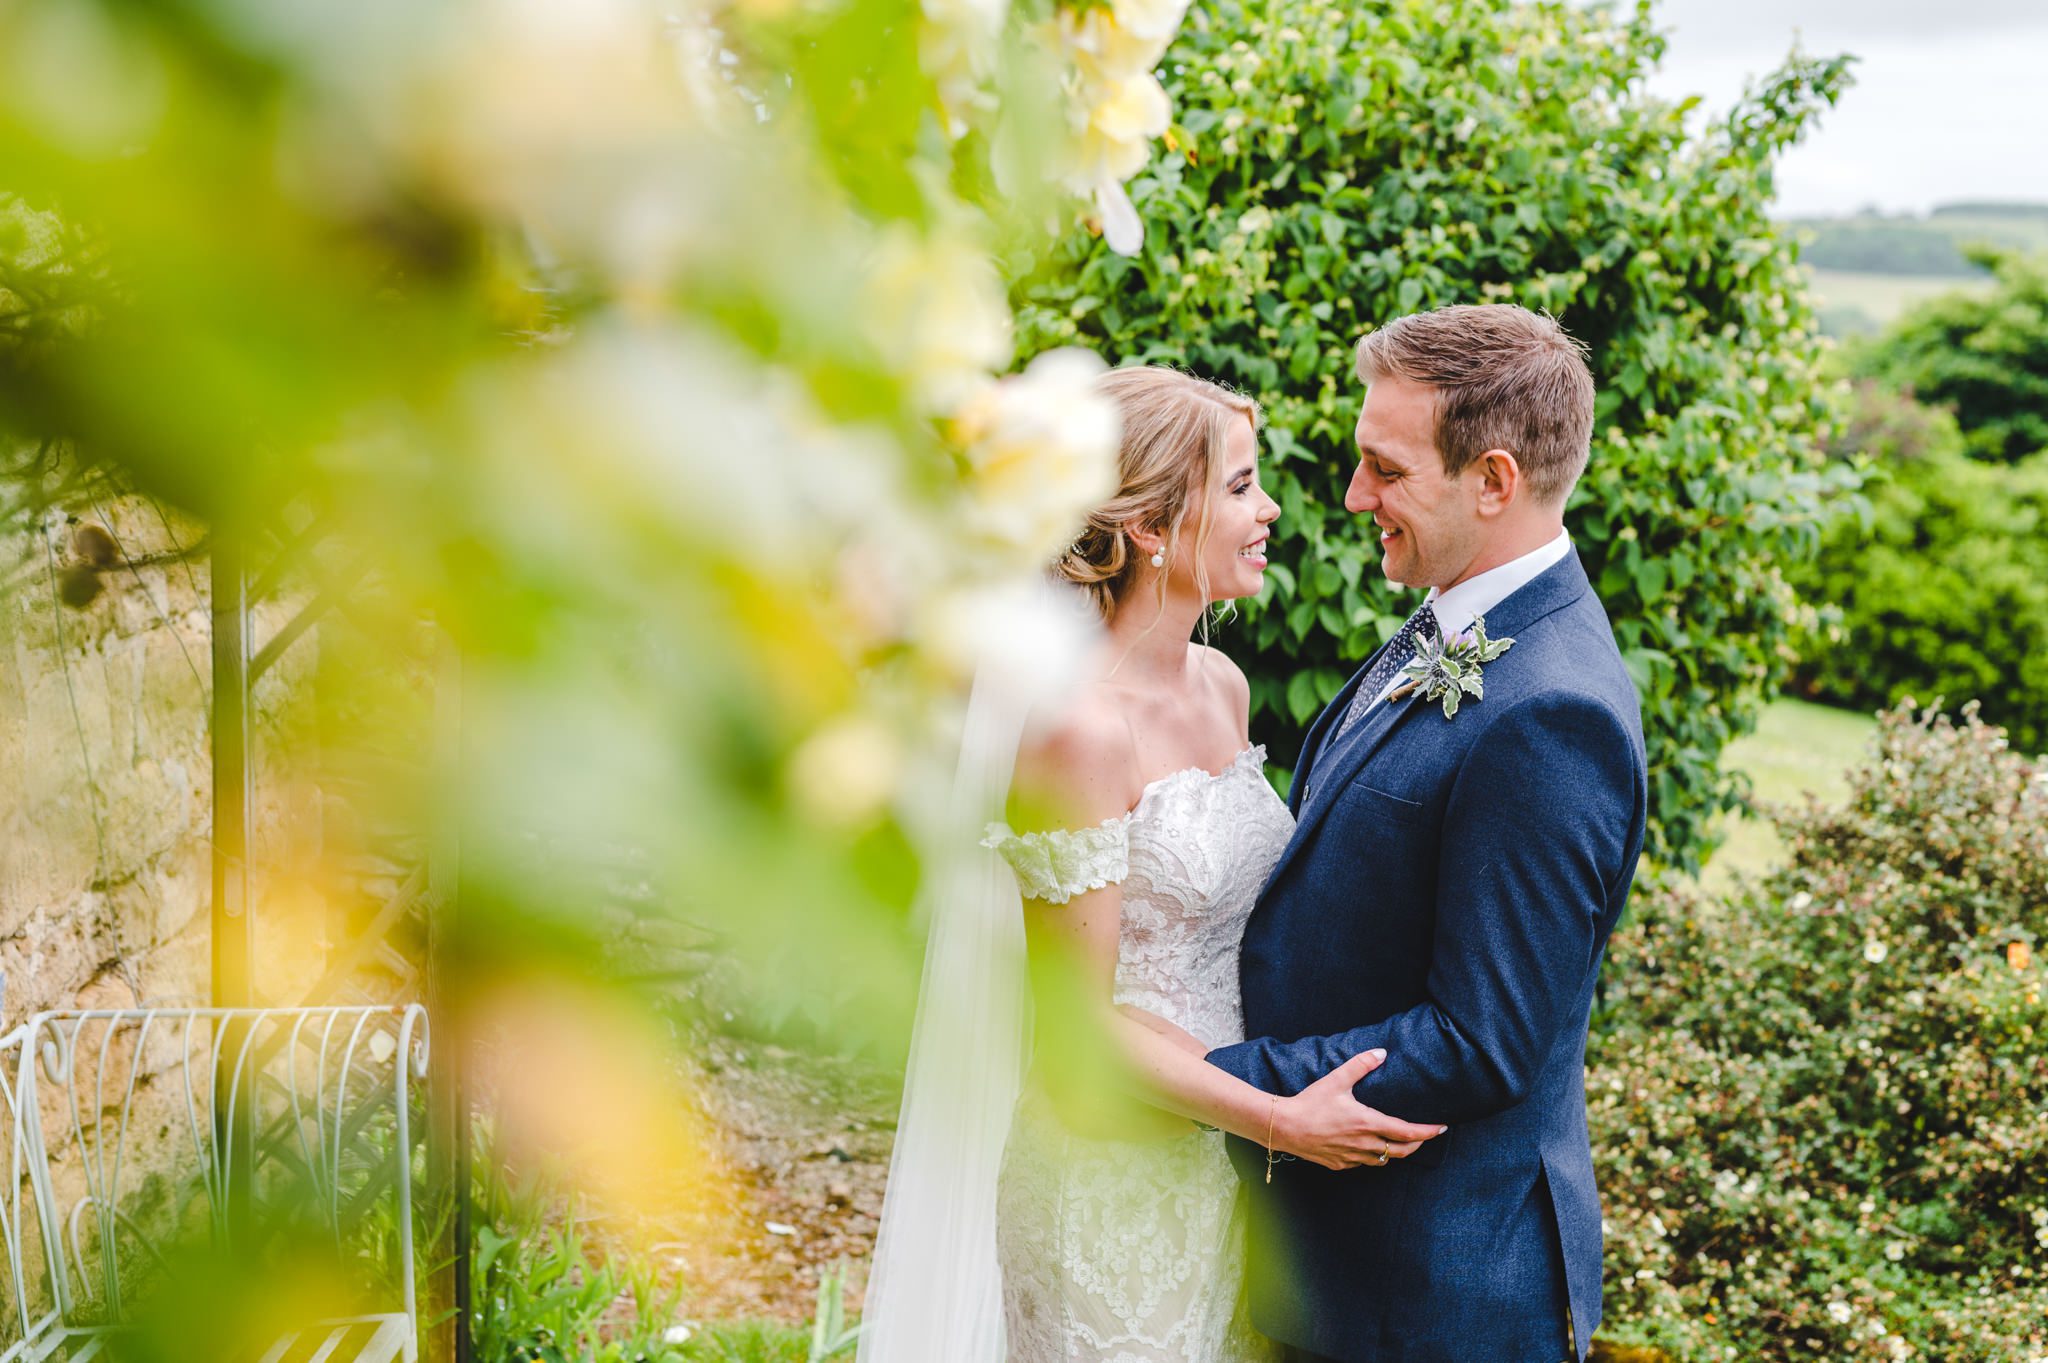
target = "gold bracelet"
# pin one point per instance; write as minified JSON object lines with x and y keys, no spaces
{"x":1272,"y":1111}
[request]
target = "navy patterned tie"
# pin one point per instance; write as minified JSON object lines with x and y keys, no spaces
{"x":1393,"y":658}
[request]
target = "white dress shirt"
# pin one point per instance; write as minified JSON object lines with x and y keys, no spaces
{"x":1457,"y":608}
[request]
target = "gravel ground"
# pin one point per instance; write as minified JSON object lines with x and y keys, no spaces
{"x":807,"y":1139}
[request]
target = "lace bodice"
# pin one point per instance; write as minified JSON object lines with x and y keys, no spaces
{"x":1191,"y":857}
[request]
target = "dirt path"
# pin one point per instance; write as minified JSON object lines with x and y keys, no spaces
{"x":807,"y":1138}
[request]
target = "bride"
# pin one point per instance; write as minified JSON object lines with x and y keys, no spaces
{"x":1109,"y":1232}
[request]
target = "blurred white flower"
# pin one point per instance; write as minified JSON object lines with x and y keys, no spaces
{"x":1103,"y":50}
{"x":938,"y":315}
{"x":1840,"y":1312}
{"x":1122,"y":119}
{"x":1122,"y":228}
{"x":80,"y":79}
{"x":1028,"y":637}
{"x":1041,"y":449}
{"x":1158,"y":20}
{"x":957,"y":46}
{"x":670,"y":449}
{"x":1118,"y":105}
{"x":1875,"y":951}
{"x":581,"y":120}
{"x":1895,"y":1250}
{"x":844,"y":774}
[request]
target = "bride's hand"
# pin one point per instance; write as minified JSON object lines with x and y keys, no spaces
{"x":1327,"y":1125}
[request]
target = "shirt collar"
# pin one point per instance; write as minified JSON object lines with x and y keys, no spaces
{"x":1475,"y":596}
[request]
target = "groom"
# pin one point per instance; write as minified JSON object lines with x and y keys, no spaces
{"x":1451,"y":883}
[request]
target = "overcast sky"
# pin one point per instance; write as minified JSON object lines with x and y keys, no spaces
{"x":1950,"y":100}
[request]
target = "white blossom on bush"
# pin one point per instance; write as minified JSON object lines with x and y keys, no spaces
{"x":1119,"y":106}
{"x":939,"y":314}
{"x":1041,"y":449}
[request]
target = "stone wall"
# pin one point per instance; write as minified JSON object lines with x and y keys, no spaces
{"x":105,"y":762}
{"x":105,"y":823}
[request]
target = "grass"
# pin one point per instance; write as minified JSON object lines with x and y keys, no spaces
{"x":1858,"y":302}
{"x":1798,"y":747}
{"x":750,"y":1341}
{"x":831,"y":1335}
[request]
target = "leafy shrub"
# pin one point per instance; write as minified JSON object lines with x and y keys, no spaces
{"x":1945,"y":591}
{"x":1344,"y":164}
{"x":1820,"y":1109}
{"x":1983,"y":356}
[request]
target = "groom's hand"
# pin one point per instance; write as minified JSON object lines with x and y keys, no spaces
{"x":1325,"y":1124}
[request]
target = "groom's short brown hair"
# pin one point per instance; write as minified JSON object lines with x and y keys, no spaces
{"x":1505,"y":378}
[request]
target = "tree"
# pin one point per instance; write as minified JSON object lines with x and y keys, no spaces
{"x":1942,"y":591}
{"x":1983,"y":356}
{"x":1342,"y":165}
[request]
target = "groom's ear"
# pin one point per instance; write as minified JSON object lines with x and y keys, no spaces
{"x":1500,"y":481}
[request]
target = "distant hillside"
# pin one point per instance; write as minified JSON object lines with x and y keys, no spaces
{"x":1991,"y":208}
{"x":1908,"y":244}
{"x":1870,"y":267}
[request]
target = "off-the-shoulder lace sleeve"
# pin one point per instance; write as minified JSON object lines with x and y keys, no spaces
{"x":1057,"y":865}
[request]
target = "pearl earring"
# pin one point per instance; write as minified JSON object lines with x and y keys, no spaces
{"x":1159,"y":558}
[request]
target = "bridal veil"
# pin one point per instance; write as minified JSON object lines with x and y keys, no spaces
{"x":935,"y":1293}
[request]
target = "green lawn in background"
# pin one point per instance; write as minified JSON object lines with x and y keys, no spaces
{"x":1856,"y":303}
{"x":1797,"y":747}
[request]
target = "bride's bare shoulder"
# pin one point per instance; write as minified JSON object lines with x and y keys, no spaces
{"x":1226,"y":676}
{"x":1082,"y":759}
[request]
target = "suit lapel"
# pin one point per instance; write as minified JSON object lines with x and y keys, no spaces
{"x":1319,"y":732}
{"x":1554,"y":588}
{"x":1325,"y":725}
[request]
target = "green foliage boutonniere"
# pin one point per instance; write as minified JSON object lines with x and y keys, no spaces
{"x":1448,"y":669}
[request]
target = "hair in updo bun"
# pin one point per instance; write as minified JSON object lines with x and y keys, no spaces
{"x":1174,"y":429}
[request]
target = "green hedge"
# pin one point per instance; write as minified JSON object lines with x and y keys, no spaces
{"x":1341,"y":165}
{"x":1944,"y":591}
{"x":1820,"y":1109}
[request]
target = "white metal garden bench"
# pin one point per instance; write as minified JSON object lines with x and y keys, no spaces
{"x":114,"y":1158}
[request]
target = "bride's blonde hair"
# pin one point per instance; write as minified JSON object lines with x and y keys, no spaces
{"x":1175,"y":429}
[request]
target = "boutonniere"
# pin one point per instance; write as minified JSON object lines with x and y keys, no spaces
{"x":1449,"y":669}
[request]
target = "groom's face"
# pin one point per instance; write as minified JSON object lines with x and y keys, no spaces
{"x":1429,"y":527}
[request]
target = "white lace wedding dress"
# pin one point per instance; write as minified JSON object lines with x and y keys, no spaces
{"x":1132,"y":1251}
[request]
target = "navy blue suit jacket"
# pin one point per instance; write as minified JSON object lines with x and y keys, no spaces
{"x":1447,"y":894}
